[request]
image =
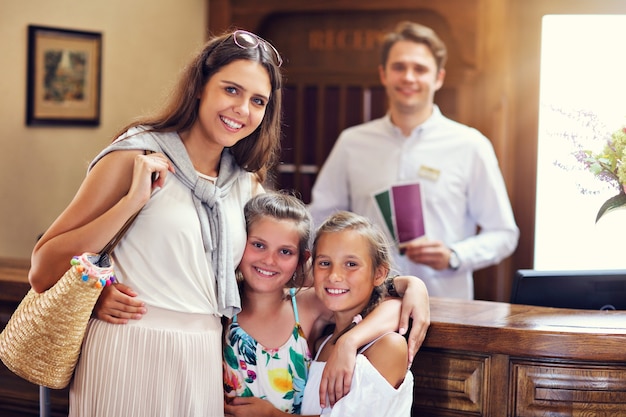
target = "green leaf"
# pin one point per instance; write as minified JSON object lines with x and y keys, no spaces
{"x":298,"y":362}
{"x":231,"y":358}
{"x":595,"y":168}
{"x":610,"y":204}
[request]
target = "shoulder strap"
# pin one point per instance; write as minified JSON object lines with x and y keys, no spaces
{"x":292,"y":293}
{"x":118,"y":236}
{"x":319,"y":349}
{"x":364,"y":348}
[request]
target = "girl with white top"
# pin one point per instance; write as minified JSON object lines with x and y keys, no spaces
{"x":351,"y":260}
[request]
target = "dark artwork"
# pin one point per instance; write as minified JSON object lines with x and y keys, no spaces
{"x":65,"y":73}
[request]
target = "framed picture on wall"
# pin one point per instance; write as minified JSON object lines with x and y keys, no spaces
{"x":64,"y":72}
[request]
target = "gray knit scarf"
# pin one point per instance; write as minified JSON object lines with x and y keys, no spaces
{"x":207,"y":197}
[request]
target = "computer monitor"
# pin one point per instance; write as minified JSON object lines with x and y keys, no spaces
{"x":587,"y":290}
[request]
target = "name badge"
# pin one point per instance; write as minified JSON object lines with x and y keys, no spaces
{"x":428,"y":173}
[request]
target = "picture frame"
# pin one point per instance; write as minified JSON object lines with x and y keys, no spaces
{"x":64,"y":76}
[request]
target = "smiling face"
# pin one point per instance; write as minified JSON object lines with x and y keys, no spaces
{"x":343,"y":272}
{"x":271,"y":255}
{"x":411,"y":78}
{"x":233,"y":102}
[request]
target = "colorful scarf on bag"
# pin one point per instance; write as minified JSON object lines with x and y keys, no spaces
{"x":207,"y":198}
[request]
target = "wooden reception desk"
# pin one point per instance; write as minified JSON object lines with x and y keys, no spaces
{"x":484,"y":358}
{"x":479,"y":358}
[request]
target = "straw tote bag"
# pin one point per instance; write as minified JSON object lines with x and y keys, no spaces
{"x":42,"y":340}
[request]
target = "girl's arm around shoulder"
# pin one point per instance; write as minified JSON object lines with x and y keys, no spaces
{"x":415,"y":307}
{"x":315,"y":316}
{"x":388,"y":355}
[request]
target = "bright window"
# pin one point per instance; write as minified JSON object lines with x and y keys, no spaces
{"x":583,"y":79}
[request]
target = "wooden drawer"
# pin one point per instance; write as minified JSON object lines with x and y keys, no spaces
{"x":560,"y":389}
{"x":450,"y":383}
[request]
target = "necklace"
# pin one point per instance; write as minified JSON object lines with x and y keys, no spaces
{"x":207,"y":177}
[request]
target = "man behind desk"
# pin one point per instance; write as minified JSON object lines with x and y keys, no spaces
{"x":461,"y":184}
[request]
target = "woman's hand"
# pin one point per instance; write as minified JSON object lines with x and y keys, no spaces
{"x":149,"y":172}
{"x":117,"y":304}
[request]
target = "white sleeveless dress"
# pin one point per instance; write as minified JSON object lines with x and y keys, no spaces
{"x":169,"y":363}
{"x":370,"y":393}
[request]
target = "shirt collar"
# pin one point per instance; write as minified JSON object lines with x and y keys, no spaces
{"x":431,"y":121}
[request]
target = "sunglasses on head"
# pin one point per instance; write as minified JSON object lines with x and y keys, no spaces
{"x":248,"y":40}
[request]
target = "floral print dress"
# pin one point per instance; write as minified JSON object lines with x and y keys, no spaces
{"x":277,"y":375}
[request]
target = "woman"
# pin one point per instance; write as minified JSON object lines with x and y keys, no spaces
{"x":214,"y":141}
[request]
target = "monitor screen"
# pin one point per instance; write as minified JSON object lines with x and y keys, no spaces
{"x":588,"y":290}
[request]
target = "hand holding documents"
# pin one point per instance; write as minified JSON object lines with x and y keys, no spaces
{"x":402,"y":210}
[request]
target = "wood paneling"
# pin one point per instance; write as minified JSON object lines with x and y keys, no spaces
{"x":331,"y":61}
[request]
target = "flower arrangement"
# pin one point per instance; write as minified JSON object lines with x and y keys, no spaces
{"x":610,"y":165}
{"x":598,"y":151}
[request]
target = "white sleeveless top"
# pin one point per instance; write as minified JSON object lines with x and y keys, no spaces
{"x":370,"y":393}
{"x":162,"y":256}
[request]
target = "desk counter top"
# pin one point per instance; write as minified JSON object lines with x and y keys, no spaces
{"x":527,"y":330}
